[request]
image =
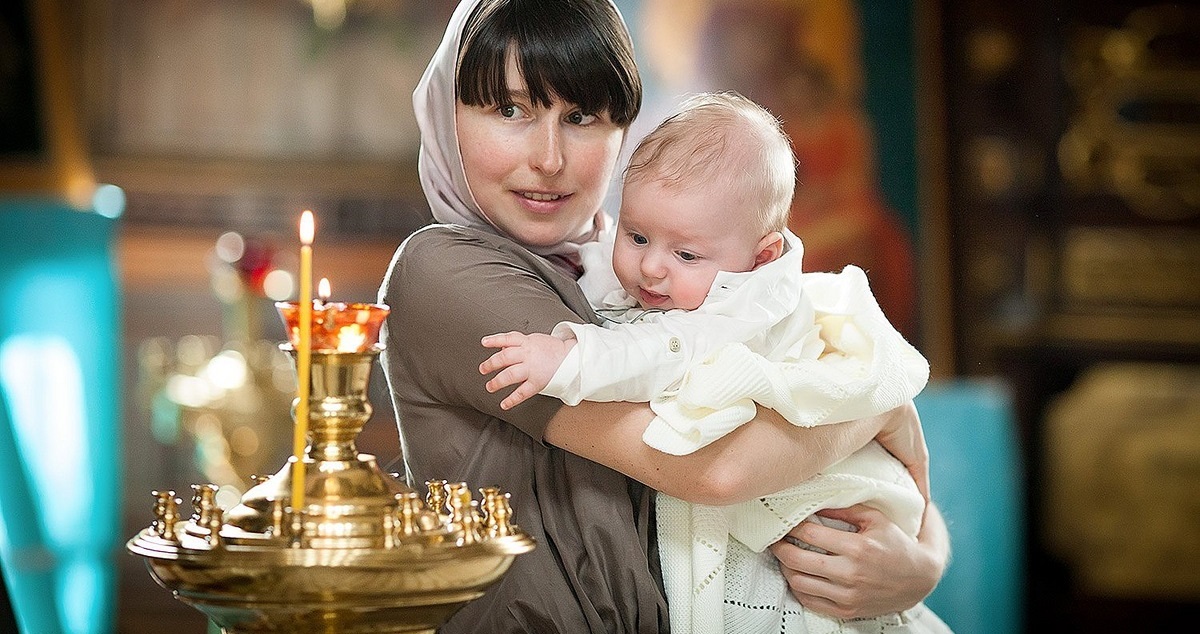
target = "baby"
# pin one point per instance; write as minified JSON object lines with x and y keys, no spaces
{"x":711,"y":315}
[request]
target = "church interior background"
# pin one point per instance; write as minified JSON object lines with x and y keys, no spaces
{"x":1020,"y":180}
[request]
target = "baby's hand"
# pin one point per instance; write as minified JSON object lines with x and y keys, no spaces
{"x":530,"y":360}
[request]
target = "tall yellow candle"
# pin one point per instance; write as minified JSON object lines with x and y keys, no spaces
{"x":303,"y":363}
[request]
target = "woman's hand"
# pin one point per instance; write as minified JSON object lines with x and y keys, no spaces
{"x":877,"y":570}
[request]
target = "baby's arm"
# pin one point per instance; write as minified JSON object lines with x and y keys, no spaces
{"x":530,"y":360}
{"x":637,"y":361}
{"x":578,"y":362}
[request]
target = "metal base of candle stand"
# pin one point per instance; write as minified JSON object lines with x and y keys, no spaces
{"x":365,"y":554}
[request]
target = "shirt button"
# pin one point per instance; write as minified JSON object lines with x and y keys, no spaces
{"x":674,"y":344}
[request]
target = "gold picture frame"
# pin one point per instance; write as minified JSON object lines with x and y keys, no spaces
{"x":50,"y":159}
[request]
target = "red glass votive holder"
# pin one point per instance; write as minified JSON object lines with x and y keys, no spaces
{"x":336,"y":326}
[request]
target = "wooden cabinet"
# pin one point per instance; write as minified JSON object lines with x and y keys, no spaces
{"x":1073,"y":156}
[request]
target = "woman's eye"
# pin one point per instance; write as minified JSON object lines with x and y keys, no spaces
{"x":508,"y":111}
{"x":579,"y":118}
{"x":687,"y":257}
{"x":639,"y":239}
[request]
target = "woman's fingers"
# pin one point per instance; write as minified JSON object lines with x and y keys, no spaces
{"x":860,"y":515}
{"x":797,"y":559}
{"x":810,"y":577}
{"x":824,"y":538}
{"x":877,"y":570}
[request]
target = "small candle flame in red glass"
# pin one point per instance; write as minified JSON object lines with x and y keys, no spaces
{"x":337,"y":326}
{"x":323,"y":291}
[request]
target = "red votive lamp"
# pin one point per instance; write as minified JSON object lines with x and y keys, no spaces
{"x":336,"y":326}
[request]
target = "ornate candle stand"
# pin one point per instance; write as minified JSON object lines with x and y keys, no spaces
{"x":365,"y":553}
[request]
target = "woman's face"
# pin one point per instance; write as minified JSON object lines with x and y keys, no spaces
{"x":538,"y":173}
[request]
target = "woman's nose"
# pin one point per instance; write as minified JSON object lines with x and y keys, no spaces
{"x":546,"y":155}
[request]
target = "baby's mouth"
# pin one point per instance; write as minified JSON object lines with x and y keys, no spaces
{"x":651,"y":298}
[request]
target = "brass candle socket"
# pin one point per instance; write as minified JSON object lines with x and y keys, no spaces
{"x":365,"y":554}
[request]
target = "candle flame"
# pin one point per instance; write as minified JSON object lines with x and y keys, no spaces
{"x":307,"y":228}
{"x":323,"y":291}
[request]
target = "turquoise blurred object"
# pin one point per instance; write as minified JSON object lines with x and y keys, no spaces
{"x":976,"y":474}
{"x":59,"y":399}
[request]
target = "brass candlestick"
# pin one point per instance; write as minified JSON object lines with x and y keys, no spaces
{"x":365,"y":554}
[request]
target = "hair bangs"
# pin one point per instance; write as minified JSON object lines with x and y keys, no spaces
{"x":577,"y":51}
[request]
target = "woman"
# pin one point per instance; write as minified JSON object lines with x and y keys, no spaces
{"x":523,"y":111}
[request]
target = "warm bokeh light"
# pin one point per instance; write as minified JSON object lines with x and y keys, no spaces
{"x":279,"y":285}
{"x":227,"y":370}
{"x":227,"y":285}
{"x":231,"y":246}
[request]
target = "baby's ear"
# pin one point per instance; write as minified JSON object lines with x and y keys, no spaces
{"x":769,"y":249}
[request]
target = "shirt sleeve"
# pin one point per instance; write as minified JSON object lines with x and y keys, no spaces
{"x":448,"y":287}
{"x":638,"y":361}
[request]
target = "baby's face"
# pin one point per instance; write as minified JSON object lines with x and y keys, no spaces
{"x":671,"y":243}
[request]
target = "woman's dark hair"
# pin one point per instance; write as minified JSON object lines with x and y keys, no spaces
{"x":575,"y":50}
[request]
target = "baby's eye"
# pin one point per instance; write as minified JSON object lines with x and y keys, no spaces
{"x":580,"y":118}
{"x":687,"y":256}
{"x":638,"y":238}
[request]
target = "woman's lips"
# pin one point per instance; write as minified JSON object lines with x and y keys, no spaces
{"x":540,"y":196}
{"x":650,"y":298}
{"x":542,"y":202}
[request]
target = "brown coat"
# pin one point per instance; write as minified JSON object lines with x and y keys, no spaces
{"x":595,"y":568}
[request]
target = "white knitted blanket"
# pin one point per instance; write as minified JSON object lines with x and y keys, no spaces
{"x":717,"y":576}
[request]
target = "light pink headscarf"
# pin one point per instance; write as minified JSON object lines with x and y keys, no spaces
{"x":440,"y":163}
